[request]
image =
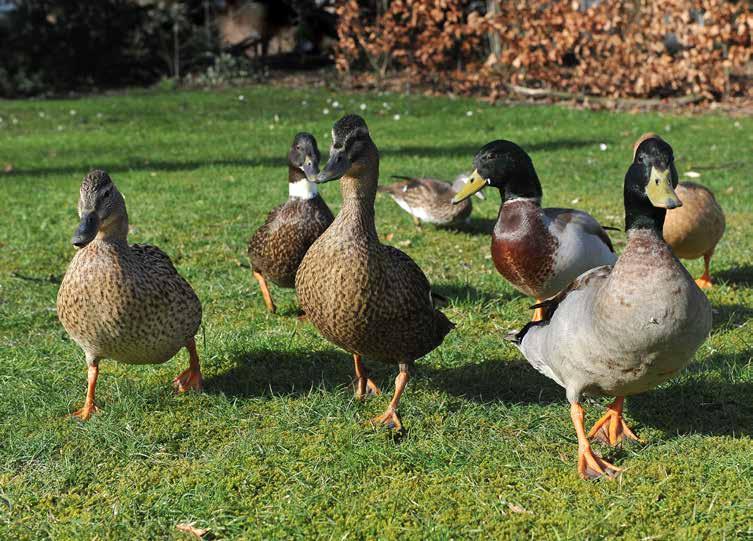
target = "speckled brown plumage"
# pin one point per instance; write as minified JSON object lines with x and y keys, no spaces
{"x":124,"y":302}
{"x":429,"y":200}
{"x":277,"y":248}
{"x":370,"y":299}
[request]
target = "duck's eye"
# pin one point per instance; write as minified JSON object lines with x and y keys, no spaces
{"x":106,"y":194}
{"x":337,"y":146}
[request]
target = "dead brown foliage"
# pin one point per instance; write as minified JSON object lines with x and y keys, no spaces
{"x":614,"y":49}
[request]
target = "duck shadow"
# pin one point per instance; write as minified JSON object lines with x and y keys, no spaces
{"x":258,"y":373}
{"x":511,"y":382}
{"x":741,"y":276}
{"x":470,"y":294}
{"x":730,"y":316}
{"x":697,"y":407}
{"x":476,"y":226}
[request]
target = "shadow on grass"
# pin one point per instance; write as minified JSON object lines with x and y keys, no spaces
{"x":697,"y":407}
{"x":477,"y":226}
{"x":741,"y":276}
{"x":266,"y":373}
{"x":730,"y":316}
{"x":495,"y":380}
{"x":152,"y":165}
{"x":467,"y":293}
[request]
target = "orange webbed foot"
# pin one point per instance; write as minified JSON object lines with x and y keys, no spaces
{"x":704,"y":282}
{"x":189,"y":380}
{"x":366,"y":387}
{"x":390,"y":419}
{"x":591,"y":466}
{"x":611,"y":429}
{"x":85,"y":413}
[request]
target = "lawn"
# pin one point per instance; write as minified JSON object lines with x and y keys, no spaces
{"x":276,"y":446}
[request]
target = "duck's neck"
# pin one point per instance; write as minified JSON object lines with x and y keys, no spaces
{"x":522,"y":184}
{"x":357,"y":214}
{"x":114,"y":231}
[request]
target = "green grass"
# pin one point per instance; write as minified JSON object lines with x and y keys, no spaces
{"x":276,"y":446}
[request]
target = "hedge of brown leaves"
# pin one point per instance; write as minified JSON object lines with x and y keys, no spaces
{"x":634,"y":48}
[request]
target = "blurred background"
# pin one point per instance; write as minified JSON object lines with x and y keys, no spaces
{"x":700,"y":51}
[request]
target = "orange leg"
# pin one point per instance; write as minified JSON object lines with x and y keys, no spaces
{"x":265,"y":292}
{"x":704,"y":282}
{"x":390,"y":417}
{"x":538,"y":313}
{"x":590,"y":465}
{"x":190,"y":379}
{"x":364,"y":385}
{"x":89,"y":405}
{"x":611,"y":428}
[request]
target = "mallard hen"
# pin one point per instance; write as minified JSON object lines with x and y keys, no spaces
{"x":277,"y":248}
{"x":124,"y":302}
{"x":623,"y":329}
{"x":430,"y":200}
{"x":539,"y":251}
{"x":370,"y":299}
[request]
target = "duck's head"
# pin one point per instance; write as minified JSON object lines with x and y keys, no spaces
{"x":505,"y":166}
{"x":352,"y":153}
{"x":650,"y":183}
{"x":101,"y":208}
{"x":304,"y":156}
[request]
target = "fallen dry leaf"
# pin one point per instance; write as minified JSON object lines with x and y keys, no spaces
{"x":518,"y":509}
{"x":388,"y":236}
{"x":8,"y":167}
{"x":189,"y":527}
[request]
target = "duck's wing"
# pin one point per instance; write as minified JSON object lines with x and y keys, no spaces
{"x":153,"y":259}
{"x":538,"y":339}
{"x":416,"y":190}
{"x":563,"y":218}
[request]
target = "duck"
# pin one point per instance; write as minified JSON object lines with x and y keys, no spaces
{"x":694,"y":229}
{"x":622,"y":329}
{"x":124,"y":302}
{"x":539,"y":251}
{"x":370,"y":299}
{"x":430,"y":200}
{"x":277,"y":248}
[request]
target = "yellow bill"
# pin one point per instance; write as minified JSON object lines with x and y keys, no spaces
{"x":660,"y":191}
{"x":475,"y":184}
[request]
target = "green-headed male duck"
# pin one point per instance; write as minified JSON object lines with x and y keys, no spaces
{"x":539,"y":251}
{"x":623,"y":329}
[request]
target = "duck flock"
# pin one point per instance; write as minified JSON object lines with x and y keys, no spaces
{"x":603,"y":325}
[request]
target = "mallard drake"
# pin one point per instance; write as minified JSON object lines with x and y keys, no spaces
{"x":693,"y":230}
{"x":370,"y":299}
{"x":277,"y":248}
{"x":623,"y":329}
{"x":539,"y":251}
{"x":430,"y":200}
{"x":124,"y":302}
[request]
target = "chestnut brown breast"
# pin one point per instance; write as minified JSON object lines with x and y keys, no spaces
{"x":523,"y":247}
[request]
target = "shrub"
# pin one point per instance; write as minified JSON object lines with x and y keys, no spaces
{"x":604,"y":48}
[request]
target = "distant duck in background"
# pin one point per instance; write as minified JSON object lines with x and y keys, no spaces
{"x":277,"y":248}
{"x":430,"y":200}
{"x":538,"y":250}
{"x":124,"y":302}
{"x":694,"y":229}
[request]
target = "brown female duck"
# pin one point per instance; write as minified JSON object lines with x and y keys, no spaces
{"x":430,"y":200}
{"x":539,"y":251}
{"x":277,"y":248}
{"x":124,"y":302}
{"x":370,"y":299}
